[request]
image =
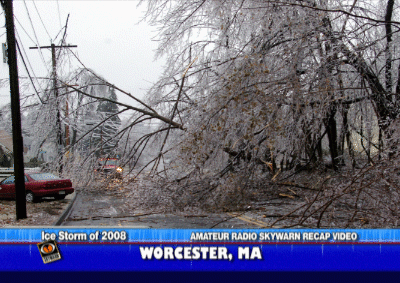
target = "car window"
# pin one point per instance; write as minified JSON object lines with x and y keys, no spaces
{"x":9,"y":180}
{"x":43,"y":176}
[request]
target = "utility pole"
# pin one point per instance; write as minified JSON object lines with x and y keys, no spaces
{"x":66,"y":125}
{"x":101,"y":141}
{"x":60,"y":141}
{"x":18,"y":146}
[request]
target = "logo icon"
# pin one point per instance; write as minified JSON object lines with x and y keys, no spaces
{"x":49,"y":251}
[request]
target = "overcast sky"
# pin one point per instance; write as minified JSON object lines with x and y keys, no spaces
{"x":110,"y":40}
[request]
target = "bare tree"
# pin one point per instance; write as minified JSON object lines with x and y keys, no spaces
{"x":275,"y":85}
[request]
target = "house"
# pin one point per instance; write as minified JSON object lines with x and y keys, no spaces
{"x":6,"y":150}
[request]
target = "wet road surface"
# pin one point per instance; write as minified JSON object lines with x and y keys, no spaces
{"x":96,"y":209}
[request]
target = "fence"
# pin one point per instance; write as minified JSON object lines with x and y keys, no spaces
{"x":5,"y":172}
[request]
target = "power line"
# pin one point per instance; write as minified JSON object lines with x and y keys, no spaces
{"x":27,"y":70}
{"x":63,"y":38}
{"x":24,"y":30}
{"x":58,"y":33}
{"x":41,"y":20}
{"x":65,"y":31}
{"x":34,"y":32}
{"x":59,"y":16}
{"x":23,"y":49}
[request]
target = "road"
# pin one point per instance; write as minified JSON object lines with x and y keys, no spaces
{"x":100,"y":208}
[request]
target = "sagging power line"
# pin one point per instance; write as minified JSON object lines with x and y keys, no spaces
{"x":60,"y":140}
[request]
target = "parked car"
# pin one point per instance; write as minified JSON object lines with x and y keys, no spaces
{"x":109,"y":167}
{"x":38,"y":185}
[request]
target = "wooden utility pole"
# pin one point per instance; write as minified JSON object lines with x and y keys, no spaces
{"x":18,"y":146}
{"x":66,"y":125}
{"x":60,"y":141}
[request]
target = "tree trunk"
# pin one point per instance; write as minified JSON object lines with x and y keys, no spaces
{"x":347,"y":135}
{"x":330,"y":124}
{"x":388,"y":51}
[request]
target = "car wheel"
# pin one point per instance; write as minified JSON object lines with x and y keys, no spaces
{"x":30,"y":197}
{"x":60,"y":197}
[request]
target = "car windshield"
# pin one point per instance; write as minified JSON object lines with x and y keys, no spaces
{"x":108,"y":162}
{"x":43,"y":176}
{"x":9,"y":180}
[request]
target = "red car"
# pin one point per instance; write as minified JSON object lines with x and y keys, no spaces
{"x":38,"y":185}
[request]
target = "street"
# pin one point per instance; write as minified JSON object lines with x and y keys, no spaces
{"x":110,"y":208}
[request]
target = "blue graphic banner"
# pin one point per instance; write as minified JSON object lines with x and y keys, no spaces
{"x":124,"y":249}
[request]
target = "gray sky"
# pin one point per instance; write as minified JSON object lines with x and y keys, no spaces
{"x":110,"y":41}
